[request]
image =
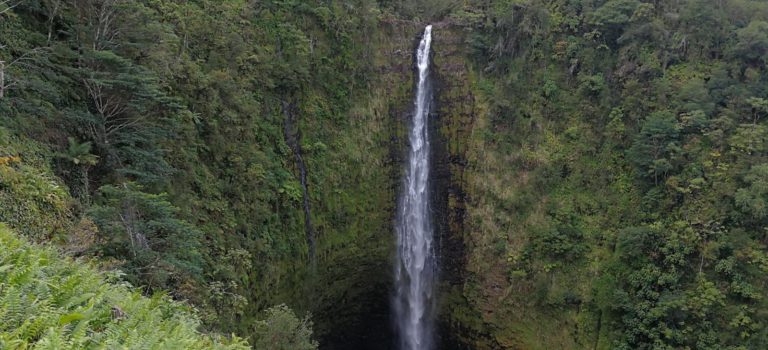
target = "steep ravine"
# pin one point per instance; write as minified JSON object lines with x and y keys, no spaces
{"x":387,"y":113}
{"x":450,"y":125}
{"x":597,"y":172}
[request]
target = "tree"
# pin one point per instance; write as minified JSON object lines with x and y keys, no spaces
{"x":292,"y":68}
{"x":98,"y":23}
{"x":753,"y":199}
{"x":26,"y":60}
{"x":121,"y":94}
{"x":612,"y":17}
{"x":694,"y":95}
{"x":143,"y":229}
{"x":282,"y":330}
{"x":128,"y":115}
{"x":53,"y":10}
{"x":759,"y":108}
{"x":752,"y":42}
{"x":703,"y":27}
{"x":652,"y":293}
{"x":654,"y":147}
{"x":748,"y":140}
{"x":8,"y":5}
{"x":79,"y":154}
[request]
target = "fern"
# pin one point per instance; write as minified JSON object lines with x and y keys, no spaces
{"x":49,"y":302}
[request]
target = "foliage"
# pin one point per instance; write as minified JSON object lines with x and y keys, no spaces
{"x":631,"y":212}
{"x":752,"y":41}
{"x":282,"y":330}
{"x":752,"y":199}
{"x":32,"y":199}
{"x":79,"y":153}
{"x":143,"y":230}
{"x":654,"y":147}
{"x":164,"y":121}
{"x":615,"y":169}
{"x":51,"y":302}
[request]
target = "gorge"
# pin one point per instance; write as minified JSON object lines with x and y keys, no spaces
{"x":384,"y":174}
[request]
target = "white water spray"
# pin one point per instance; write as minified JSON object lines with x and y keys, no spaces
{"x":415,"y":268}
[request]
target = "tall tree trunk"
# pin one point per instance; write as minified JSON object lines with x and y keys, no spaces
{"x":2,"y":79}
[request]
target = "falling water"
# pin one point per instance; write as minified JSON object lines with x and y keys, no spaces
{"x":415,"y":265}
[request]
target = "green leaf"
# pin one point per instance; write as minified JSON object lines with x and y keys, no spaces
{"x":69,"y":318}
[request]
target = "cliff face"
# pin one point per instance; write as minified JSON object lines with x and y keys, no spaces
{"x":453,"y":128}
{"x":479,"y":307}
{"x":354,"y":279}
{"x":457,"y":124}
{"x":250,"y":172}
{"x":452,"y":122}
{"x":384,"y":114}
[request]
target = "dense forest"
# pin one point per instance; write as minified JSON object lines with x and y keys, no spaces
{"x":224,"y":174}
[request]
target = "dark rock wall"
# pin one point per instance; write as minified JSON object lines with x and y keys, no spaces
{"x":358,"y":283}
{"x":388,"y":110}
{"x":452,"y":124}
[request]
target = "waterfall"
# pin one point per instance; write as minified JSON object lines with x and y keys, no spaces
{"x":415,"y":268}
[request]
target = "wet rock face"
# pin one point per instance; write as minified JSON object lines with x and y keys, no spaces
{"x":366,"y":317}
{"x":357,"y":316}
{"x":451,"y":124}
